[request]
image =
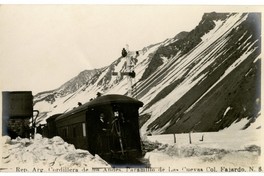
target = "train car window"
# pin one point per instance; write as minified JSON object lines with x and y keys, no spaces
{"x":84,"y":129}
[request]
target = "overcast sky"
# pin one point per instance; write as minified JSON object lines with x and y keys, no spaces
{"x":43,"y":46}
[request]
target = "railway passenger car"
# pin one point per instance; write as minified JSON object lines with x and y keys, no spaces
{"x":107,"y":126}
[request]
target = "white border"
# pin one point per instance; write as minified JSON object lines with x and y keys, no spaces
{"x":175,"y":2}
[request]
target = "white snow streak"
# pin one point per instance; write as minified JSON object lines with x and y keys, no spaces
{"x":226,"y":111}
{"x":227,"y":71}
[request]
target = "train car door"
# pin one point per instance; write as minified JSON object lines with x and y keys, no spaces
{"x":90,"y":124}
{"x":119,"y":140}
{"x":98,"y":127}
{"x":126,"y":130}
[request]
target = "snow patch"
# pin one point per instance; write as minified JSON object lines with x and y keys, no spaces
{"x":258,"y":58}
{"x":226,"y":111}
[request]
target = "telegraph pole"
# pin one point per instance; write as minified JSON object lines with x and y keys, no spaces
{"x":129,"y":69}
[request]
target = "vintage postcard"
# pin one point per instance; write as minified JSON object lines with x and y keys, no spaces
{"x":131,"y":88}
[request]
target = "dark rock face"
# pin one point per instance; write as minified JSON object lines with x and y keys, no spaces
{"x":216,"y":103}
{"x":184,"y":41}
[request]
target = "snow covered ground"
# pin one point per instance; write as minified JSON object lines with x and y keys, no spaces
{"x":231,"y":149}
{"x":46,"y":155}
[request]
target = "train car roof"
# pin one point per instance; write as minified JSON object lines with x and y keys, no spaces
{"x":103,"y":100}
{"x":53,"y":117}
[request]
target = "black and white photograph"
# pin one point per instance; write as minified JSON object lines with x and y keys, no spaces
{"x":91,"y":88}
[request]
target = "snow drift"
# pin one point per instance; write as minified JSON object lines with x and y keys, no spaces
{"x":49,"y":154}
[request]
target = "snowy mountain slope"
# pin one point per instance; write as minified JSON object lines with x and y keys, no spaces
{"x":213,"y":74}
{"x":67,"y":88}
{"x":202,"y":80}
{"x":53,"y":102}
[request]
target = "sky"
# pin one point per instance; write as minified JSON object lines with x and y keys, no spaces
{"x":44,"y":46}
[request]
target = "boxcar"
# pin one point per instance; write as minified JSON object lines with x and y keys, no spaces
{"x":107,"y":126}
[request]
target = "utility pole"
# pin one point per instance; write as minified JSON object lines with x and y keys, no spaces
{"x":129,"y":69}
{"x":190,"y":137}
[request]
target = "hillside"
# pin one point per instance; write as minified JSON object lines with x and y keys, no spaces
{"x":202,"y":80}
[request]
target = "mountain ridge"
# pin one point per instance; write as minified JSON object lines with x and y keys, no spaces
{"x":180,"y":79}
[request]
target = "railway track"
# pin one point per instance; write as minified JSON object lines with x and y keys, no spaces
{"x":129,"y":163}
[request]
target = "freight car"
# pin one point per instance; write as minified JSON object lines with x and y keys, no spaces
{"x":107,"y":126}
{"x":17,"y":112}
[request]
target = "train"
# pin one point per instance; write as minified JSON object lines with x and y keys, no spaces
{"x":107,"y":126}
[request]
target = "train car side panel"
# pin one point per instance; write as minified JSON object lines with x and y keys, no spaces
{"x":73,"y":129}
